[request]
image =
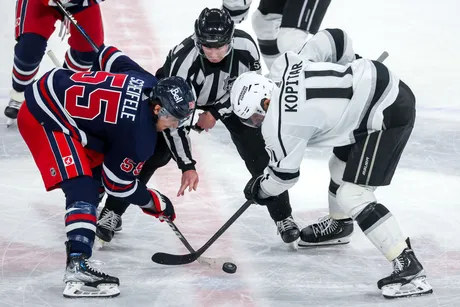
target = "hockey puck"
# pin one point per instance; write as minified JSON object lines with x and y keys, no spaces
{"x":229,"y":267}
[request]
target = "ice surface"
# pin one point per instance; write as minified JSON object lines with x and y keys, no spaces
{"x":422,"y":39}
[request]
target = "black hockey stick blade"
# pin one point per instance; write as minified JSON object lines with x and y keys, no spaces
{"x":208,"y":261}
{"x":170,"y":259}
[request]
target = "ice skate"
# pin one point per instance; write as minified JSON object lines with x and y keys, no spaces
{"x":327,"y":231}
{"x":408,"y":277}
{"x":289,"y":230}
{"x":107,"y":224}
{"x":84,"y":281}
{"x":12,"y":109}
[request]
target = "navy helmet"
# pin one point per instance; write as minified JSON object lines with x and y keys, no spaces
{"x":214,"y":28}
{"x":176,"y":97}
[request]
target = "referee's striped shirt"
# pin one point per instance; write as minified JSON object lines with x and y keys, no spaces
{"x":210,"y":81}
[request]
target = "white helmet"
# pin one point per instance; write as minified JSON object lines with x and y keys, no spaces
{"x":249,"y":91}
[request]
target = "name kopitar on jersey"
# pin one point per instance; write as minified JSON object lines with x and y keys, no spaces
{"x":132,"y":98}
{"x":291,"y":90}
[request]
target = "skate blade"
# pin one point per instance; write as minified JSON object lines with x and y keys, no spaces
{"x":325,"y":243}
{"x":78,"y":289}
{"x":9,"y":122}
{"x":294,"y":246}
{"x":99,"y":243}
{"x":418,"y":286}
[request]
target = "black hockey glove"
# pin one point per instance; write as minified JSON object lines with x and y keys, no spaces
{"x":251,"y":191}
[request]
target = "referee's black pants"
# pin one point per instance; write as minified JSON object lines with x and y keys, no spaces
{"x":251,"y":146}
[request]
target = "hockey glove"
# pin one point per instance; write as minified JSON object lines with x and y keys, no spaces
{"x":162,"y":206}
{"x":251,"y":191}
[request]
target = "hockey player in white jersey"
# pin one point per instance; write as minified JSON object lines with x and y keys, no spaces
{"x":280,"y":25}
{"x":366,"y":114}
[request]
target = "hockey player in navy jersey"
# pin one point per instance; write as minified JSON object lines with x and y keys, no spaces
{"x":361,"y":110}
{"x":35,"y":23}
{"x":100,"y":126}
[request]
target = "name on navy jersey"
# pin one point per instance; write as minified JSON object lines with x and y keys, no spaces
{"x":130,"y":105}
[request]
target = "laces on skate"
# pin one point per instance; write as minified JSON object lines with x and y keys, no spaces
{"x":326,"y":225}
{"x":109,"y":220}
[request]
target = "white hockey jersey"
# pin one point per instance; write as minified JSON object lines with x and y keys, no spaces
{"x":329,"y":45}
{"x":321,"y":104}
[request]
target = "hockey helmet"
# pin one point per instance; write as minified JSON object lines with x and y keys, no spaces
{"x":248,"y":94}
{"x":214,"y":28}
{"x":176,"y":98}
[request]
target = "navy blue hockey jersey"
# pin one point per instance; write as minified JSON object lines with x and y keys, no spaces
{"x":106,"y":110}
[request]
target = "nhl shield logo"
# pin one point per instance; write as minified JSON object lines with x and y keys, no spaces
{"x":228,"y":82}
{"x":53,"y":171}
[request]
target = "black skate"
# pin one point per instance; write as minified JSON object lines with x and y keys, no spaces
{"x":84,"y":281}
{"x":107,"y":224}
{"x":408,"y":277}
{"x":288,"y":229}
{"x":11,"y":111}
{"x":327,"y":231}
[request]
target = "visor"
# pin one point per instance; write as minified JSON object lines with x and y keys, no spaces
{"x":254,"y":121}
{"x":180,"y":122}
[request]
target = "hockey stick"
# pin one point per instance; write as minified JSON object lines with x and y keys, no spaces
{"x":383,"y":57}
{"x":74,"y":22}
{"x":211,"y":262}
{"x":170,"y":259}
{"x":53,"y":58}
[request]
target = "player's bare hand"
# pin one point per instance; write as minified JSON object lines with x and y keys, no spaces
{"x":189,"y":180}
{"x":206,"y":121}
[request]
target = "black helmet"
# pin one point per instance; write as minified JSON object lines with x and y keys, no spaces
{"x":214,"y":28}
{"x":175,"y":96}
